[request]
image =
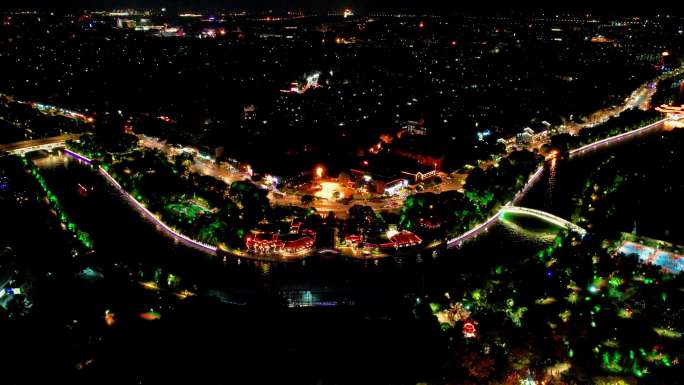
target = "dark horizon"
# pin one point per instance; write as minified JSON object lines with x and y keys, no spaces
{"x":610,"y":7}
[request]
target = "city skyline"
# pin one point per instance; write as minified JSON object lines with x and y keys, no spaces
{"x":610,"y":7}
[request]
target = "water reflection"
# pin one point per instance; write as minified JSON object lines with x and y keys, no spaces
{"x":552,"y":170}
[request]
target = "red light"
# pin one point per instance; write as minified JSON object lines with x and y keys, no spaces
{"x":453,"y":43}
{"x":469,"y":328}
{"x":365,"y":163}
{"x":421,"y":25}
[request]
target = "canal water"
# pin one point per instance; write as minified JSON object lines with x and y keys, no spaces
{"x":123,"y":237}
{"x":655,"y":155}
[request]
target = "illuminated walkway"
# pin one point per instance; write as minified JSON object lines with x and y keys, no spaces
{"x":619,"y":138}
{"x":184,"y":239}
{"x":153,"y":218}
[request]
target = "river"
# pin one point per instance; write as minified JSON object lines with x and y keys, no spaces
{"x":123,"y":237}
{"x":371,"y":330}
{"x":655,"y":154}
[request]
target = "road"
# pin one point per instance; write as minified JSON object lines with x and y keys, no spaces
{"x":640,"y":98}
{"x":341,"y":210}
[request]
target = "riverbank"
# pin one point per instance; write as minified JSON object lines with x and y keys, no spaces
{"x":453,"y":242}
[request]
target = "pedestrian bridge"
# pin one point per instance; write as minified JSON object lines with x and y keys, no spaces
{"x":543,"y":215}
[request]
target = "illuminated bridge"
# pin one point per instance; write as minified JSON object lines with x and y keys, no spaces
{"x":543,"y":215}
{"x":26,"y":146}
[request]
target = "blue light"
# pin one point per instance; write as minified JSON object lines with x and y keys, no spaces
{"x":482,"y":134}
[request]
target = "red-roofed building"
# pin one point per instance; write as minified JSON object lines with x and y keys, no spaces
{"x":263,"y":242}
{"x":405,"y":239}
{"x":353,"y":239}
{"x":301,"y":244}
{"x":429,"y":224}
{"x":269,"y":242}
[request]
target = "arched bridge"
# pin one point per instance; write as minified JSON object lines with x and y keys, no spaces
{"x":543,"y":215}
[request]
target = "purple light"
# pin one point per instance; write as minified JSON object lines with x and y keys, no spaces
{"x":475,"y":230}
{"x":530,"y":182}
{"x":617,"y":137}
{"x":147,"y":213}
{"x":533,"y":179}
{"x":77,"y":156}
{"x":478,"y":229}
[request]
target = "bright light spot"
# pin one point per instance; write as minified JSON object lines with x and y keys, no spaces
{"x":150,"y":316}
{"x":151,"y":285}
{"x":329,"y":189}
{"x":469,"y":330}
{"x":319,"y":172}
{"x":109,"y":318}
{"x":272,"y":179}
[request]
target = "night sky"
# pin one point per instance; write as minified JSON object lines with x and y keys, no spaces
{"x":436,"y":6}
